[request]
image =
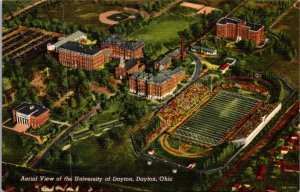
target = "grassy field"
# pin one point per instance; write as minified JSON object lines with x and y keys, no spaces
{"x":165,"y":28}
{"x":289,"y":69}
{"x":119,"y":160}
{"x":10,"y":6}
{"x":12,"y":150}
{"x":79,"y":12}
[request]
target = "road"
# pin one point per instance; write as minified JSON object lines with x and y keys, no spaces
{"x":278,"y":127}
{"x":59,"y":138}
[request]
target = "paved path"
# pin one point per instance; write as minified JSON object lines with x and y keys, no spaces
{"x":278,"y":127}
{"x":283,"y":15}
{"x":60,"y":122}
{"x":24,"y":9}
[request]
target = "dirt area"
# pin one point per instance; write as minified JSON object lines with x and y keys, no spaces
{"x":103,"y":17}
{"x":202,"y":9}
{"x":38,"y":82}
{"x":100,"y":90}
{"x":62,"y":100}
{"x":192,"y":5}
{"x":206,"y":10}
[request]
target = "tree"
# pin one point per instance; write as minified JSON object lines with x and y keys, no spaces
{"x":134,"y":110}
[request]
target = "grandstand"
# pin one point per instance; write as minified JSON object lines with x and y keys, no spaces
{"x":212,"y":123}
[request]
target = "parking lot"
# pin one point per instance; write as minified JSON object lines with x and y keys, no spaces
{"x":24,"y":44}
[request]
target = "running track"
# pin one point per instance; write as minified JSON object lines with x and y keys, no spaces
{"x":279,"y":126}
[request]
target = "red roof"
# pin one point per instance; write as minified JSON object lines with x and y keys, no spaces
{"x":284,"y":148}
{"x":224,"y":66}
{"x":236,"y":185}
{"x":291,"y":167}
{"x":271,"y":189}
{"x":278,"y":163}
{"x":262,"y":172}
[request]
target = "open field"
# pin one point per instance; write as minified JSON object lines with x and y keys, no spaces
{"x":289,"y":69}
{"x":227,"y":109}
{"x":165,"y":28}
{"x":12,"y":150}
{"x":80,"y":12}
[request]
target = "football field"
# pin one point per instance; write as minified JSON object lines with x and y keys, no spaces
{"x":213,"y":121}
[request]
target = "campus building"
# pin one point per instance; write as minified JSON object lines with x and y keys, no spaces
{"x":122,"y":48}
{"x":127,"y":67}
{"x":31,"y":115}
{"x":237,"y":29}
{"x":155,"y":87}
{"x":76,"y":55}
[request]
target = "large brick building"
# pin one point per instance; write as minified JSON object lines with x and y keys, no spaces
{"x":76,"y":55}
{"x":30,"y":115}
{"x":122,"y":48}
{"x":237,"y":29}
{"x":127,"y":67}
{"x":155,"y":87}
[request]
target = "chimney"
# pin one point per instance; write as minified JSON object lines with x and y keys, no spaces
{"x":31,"y":107}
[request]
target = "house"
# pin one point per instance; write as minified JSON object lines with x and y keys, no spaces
{"x":271,"y":189}
{"x":196,"y":48}
{"x":191,"y":165}
{"x":237,"y":29}
{"x":230,"y":61}
{"x":127,"y":67}
{"x":278,"y":163}
{"x":247,"y":184}
{"x":290,"y":167}
{"x":236,"y":186}
{"x":208,"y":51}
{"x":261,"y":172}
{"x":223,"y":68}
{"x":47,"y":187}
{"x":30,"y":115}
{"x":284,"y":149}
{"x":163,"y":64}
{"x":151,"y":151}
{"x":72,"y":188}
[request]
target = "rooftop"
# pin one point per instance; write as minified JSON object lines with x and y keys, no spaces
{"x":158,"y":79}
{"x":164,"y":60}
{"x":174,"y":53}
{"x":74,"y":36}
{"x":129,"y":45}
{"x":130,"y":63}
{"x":252,"y":26}
{"x":30,"y":109}
{"x":80,"y":48}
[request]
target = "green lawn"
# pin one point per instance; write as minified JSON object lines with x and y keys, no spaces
{"x":79,"y":12}
{"x":165,"y":28}
{"x":289,"y":69}
{"x":12,"y":150}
